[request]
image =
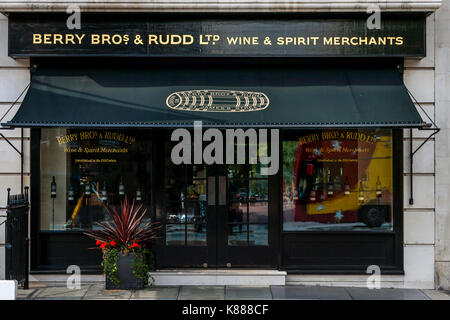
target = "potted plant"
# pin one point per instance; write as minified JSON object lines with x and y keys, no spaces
{"x":126,"y":258}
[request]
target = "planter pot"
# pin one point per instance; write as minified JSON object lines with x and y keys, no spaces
{"x":127,"y":280}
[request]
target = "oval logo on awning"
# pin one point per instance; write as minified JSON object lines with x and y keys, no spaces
{"x":217,"y":101}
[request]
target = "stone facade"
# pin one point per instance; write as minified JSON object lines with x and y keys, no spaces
{"x":220,"y":5}
{"x":419,"y":218}
{"x":14,"y":77}
{"x":426,"y":222}
{"x":442,"y":183}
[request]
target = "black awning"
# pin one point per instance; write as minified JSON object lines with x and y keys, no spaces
{"x":219,"y":97}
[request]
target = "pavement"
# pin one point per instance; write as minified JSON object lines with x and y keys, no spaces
{"x":96,"y":291}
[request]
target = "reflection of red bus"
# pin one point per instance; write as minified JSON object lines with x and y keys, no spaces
{"x":341,"y":177}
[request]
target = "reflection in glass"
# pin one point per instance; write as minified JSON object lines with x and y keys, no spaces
{"x":258,"y":190}
{"x":196,"y":234}
{"x":247,"y":202}
{"x":258,"y":235}
{"x":258,"y":212}
{"x":175,"y":234}
{"x":237,"y":191}
{"x":237,"y":234}
{"x":338,"y":180}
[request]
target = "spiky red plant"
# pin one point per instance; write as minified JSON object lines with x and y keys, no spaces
{"x":125,"y":227}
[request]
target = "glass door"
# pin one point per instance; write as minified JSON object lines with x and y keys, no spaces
{"x":215,"y":216}
{"x":242,"y":214}
{"x":186,"y":217}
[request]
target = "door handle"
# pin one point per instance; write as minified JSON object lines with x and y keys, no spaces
{"x":211,"y":191}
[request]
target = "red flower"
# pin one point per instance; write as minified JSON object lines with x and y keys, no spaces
{"x":98,"y":242}
{"x":103,"y":244}
{"x":113,"y":243}
{"x":135,"y":245}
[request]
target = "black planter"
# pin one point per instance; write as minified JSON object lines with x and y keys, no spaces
{"x":127,"y":280}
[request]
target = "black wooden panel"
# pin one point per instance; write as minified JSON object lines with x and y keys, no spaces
{"x":179,"y":256}
{"x":334,"y":251}
{"x":59,"y":250}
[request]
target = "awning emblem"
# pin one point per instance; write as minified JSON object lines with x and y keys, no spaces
{"x":217,"y":101}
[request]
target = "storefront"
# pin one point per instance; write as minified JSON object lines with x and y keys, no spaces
{"x":324,"y":92}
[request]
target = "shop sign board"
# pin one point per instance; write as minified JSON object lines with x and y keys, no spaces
{"x":140,"y":35}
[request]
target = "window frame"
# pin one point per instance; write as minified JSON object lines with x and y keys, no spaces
{"x":64,"y":245}
{"x":394,"y":237}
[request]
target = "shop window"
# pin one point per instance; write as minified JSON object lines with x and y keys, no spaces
{"x":83,"y":169}
{"x":338,"y":180}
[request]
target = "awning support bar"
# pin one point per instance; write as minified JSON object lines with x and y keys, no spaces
{"x":20,"y":152}
{"x":9,"y":142}
{"x":433,"y":128}
{"x":14,"y":103}
{"x":4,"y":115}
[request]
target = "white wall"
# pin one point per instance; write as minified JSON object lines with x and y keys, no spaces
{"x":14,"y":77}
{"x":419,"y":218}
{"x":442,"y":97}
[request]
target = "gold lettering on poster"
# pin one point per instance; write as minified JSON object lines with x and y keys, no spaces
{"x":95,"y":160}
{"x":338,"y":135}
{"x":95,"y":135}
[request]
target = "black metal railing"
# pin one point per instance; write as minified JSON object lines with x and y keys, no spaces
{"x":17,"y":241}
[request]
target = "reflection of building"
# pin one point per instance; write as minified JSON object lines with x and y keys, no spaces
{"x":301,"y":220}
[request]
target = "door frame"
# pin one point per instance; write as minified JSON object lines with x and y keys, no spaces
{"x":184,"y":256}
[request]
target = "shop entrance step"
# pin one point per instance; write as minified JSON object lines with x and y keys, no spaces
{"x":219,"y":277}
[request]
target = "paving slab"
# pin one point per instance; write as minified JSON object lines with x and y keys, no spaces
{"x":157,"y":293}
{"x":23,"y":294}
{"x":202,"y":293}
{"x":61,"y":293}
{"x":437,"y":294}
{"x":98,"y":292}
{"x":108,"y":295}
{"x":309,"y":293}
{"x":386,"y":294}
{"x":93,"y":291}
{"x":247,"y":293}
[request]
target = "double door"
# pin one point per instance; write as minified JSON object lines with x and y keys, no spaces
{"x":217,"y":216}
